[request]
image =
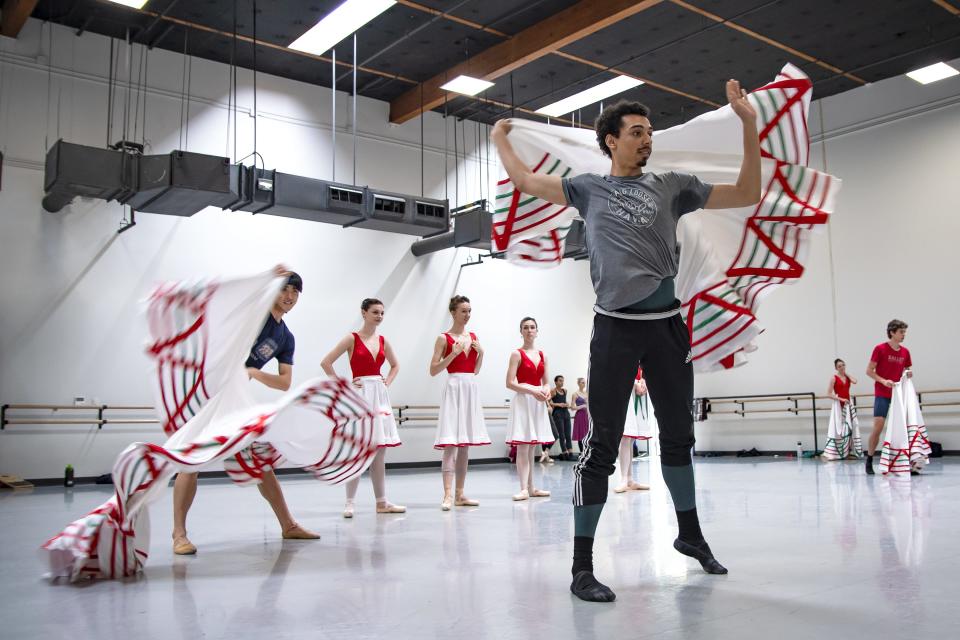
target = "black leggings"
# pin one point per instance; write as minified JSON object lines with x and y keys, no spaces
{"x":561,"y":418}
{"x":662,"y":348}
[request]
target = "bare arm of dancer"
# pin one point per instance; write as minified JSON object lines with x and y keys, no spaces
{"x":392,"y":361}
{"x":747,"y":189}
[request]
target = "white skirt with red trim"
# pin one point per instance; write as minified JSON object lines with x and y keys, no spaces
{"x":528,"y":421}
{"x":461,"y":423}
{"x":374,"y":391}
{"x":637,"y":425}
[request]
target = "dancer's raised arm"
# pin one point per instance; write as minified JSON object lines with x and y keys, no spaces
{"x":545,"y":187}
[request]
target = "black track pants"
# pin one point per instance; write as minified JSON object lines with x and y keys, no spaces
{"x":662,"y":347}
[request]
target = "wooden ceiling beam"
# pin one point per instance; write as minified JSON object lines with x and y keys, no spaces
{"x":545,"y":37}
{"x":449,"y":16}
{"x":14,"y":16}
{"x":946,"y":5}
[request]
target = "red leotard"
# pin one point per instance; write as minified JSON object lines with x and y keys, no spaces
{"x":841,"y":387}
{"x":462,"y":363}
{"x":527,"y":373}
{"x":362,"y":362}
{"x":639,"y":373}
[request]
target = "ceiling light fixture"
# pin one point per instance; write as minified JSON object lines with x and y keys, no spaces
{"x":932,"y":73}
{"x":136,"y":4}
{"x":590,"y":96}
{"x":338,"y":24}
{"x":466,"y":85}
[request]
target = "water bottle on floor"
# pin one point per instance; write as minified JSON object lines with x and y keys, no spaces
{"x":799,"y":450}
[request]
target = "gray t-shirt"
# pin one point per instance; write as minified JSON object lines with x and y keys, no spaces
{"x":631,"y":227}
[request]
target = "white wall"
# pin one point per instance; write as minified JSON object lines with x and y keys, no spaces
{"x":70,"y":286}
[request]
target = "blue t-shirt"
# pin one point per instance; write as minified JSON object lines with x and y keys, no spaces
{"x":274,"y":341}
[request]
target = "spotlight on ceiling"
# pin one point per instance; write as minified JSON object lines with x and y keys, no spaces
{"x":136,"y":4}
{"x":338,"y":24}
{"x":466,"y":85}
{"x":932,"y":73}
{"x":590,"y":96}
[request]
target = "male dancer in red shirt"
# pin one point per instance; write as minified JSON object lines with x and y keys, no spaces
{"x":887,"y":364}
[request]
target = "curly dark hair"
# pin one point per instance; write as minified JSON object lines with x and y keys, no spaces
{"x":895,"y":325}
{"x":612,"y":117}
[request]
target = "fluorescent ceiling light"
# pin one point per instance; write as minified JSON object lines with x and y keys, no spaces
{"x":466,"y":85}
{"x":934,"y":72}
{"x":340,"y":23}
{"x":136,"y":4}
{"x":589,"y":96}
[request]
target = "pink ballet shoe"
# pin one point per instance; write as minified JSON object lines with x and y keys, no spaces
{"x":348,"y":510}
{"x":523,"y":495}
{"x":390,"y":508}
{"x":463,"y":501}
{"x":540,"y":493}
{"x":446,"y":504}
{"x":620,"y":489}
{"x":183,"y":547}
{"x":636,"y":486}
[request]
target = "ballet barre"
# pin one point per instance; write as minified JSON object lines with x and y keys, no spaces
{"x":99,"y":420}
{"x":746,"y":404}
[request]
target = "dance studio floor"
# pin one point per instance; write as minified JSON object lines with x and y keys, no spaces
{"x":814,"y":550}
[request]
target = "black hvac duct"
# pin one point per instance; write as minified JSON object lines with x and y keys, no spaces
{"x":77,"y":170}
{"x":471,"y":228}
{"x":182,"y":183}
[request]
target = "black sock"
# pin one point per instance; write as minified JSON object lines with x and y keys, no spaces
{"x":689,"y":525}
{"x":582,"y":554}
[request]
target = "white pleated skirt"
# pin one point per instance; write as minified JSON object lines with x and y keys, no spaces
{"x":374,"y":391}
{"x":528,"y":421}
{"x":636,"y":426}
{"x":460,"y":423}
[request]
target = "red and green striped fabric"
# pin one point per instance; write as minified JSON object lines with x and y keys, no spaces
{"x":201,"y":336}
{"x":721,"y":282}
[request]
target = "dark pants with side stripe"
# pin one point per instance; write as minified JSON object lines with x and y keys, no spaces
{"x":618,"y":346}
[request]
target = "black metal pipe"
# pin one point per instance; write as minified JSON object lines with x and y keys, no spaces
{"x":432,"y":244}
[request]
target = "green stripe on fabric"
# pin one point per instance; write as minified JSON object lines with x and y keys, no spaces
{"x":554,"y":167}
{"x":709,"y":320}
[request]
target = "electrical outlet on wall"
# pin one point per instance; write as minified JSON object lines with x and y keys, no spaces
{"x":79,"y":400}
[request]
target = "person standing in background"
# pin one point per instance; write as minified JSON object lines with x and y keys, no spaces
{"x":581,"y":415}
{"x":888,"y":363}
{"x":561,"y":417}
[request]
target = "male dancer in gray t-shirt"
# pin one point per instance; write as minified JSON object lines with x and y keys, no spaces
{"x":631,"y":220}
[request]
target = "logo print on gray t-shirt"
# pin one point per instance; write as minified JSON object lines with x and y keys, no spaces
{"x":634,"y":205}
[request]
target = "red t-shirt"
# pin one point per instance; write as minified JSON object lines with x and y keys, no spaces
{"x":890,"y":365}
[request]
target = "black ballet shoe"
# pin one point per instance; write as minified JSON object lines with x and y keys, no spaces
{"x":700,"y":551}
{"x":588,"y":588}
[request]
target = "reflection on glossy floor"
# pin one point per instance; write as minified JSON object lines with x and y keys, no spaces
{"x":814,"y":549}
